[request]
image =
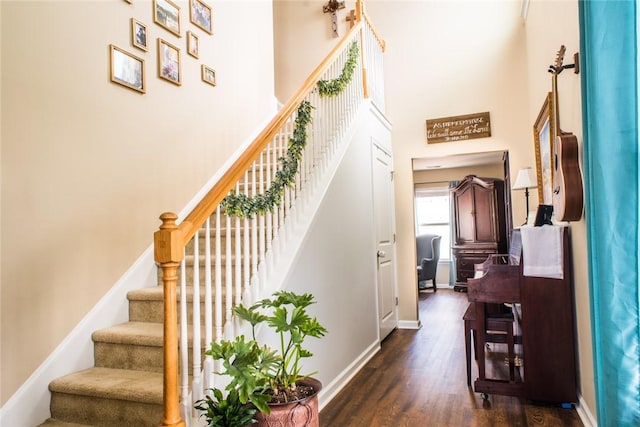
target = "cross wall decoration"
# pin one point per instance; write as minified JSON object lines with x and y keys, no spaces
{"x":332,"y":7}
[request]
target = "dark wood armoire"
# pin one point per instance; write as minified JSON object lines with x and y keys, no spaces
{"x":479,"y":224}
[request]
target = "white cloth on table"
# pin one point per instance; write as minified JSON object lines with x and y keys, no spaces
{"x":542,"y":251}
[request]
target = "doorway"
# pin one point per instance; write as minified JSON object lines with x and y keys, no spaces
{"x":433,"y":177}
{"x":385,"y":240}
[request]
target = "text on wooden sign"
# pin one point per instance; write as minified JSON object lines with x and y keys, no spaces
{"x":457,"y":128}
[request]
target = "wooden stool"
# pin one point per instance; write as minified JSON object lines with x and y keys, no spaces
{"x":499,"y":329}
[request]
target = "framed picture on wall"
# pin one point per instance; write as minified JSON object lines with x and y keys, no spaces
{"x":138,"y":34}
{"x":543,"y":131}
{"x":169,"y":62}
{"x":167,"y":14}
{"x":201,"y":15}
{"x":127,"y":69}
{"x":192,"y":44}
{"x":208,"y":75}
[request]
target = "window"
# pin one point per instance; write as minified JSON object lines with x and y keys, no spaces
{"x":432,"y":205}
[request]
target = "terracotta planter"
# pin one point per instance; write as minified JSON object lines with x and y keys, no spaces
{"x":301,"y":413}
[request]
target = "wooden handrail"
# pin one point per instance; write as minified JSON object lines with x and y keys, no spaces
{"x":220,"y":190}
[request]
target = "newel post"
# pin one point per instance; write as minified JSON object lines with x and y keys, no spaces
{"x":359,"y":13}
{"x":168,"y":253}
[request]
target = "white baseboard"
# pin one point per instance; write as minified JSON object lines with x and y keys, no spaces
{"x":409,"y":324}
{"x":585,"y":414}
{"x":333,"y":388}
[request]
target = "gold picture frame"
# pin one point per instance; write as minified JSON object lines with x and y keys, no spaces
{"x":127,"y":69}
{"x":201,"y":15}
{"x":193,"y":44}
{"x":167,"y":14}
{"x":138,"y":34}
{"x":169,"y":66}
{"x":208,"y":75}
{"x":543,"y":131}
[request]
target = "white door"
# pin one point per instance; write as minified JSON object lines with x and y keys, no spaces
{"x":385,"y":239}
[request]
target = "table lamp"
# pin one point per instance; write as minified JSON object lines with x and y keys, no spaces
{"x":526,"y":179}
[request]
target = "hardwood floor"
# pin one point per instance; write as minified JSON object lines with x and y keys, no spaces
{"x":418,"y":379}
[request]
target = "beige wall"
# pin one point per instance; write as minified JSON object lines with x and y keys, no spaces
{"x":87,"y":166}
{"x":551,"y":24}
{"x":302,"y":36}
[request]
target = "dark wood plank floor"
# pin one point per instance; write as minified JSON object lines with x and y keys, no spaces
{"x":419,"y":379}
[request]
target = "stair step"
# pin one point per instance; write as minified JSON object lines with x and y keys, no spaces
{"x":132,"y":345}
{"x":52,"y":422}
{"x":147,"y":304}
{"x":108,"y":397}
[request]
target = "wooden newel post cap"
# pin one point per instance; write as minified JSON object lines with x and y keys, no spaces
{"x":168,"y":241}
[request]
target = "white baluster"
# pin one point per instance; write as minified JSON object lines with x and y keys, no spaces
{"x":228,"y":279}
{"x":197,"y":389}
{"x":218,"y":279}
{"x":208,"y":304}
{"x":246,"y":257}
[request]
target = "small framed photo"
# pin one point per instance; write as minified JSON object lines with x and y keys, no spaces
{"x":192,"y":44}
{"x":167,"y":14}
{"x":127,"y":69}
{"x":208,"y":75}
{"x":201,"y":15}
{"x":169,"y":62}
{"x":138,"y":34}
{"x":543,"y":130}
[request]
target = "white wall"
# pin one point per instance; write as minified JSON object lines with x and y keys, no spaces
{"x":337,"y":263}
{"x":88,"y":166}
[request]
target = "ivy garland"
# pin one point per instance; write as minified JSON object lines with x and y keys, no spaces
{"x":337,"y":85}
{"x":243,"y":206}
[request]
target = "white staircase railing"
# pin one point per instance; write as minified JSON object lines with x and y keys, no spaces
{"x":227,"y":249}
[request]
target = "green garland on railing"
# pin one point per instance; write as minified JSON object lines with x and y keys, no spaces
{"x":243,"y":206}
{"x":337,"y":85}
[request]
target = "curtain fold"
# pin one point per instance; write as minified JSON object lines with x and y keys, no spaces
{"x":609,"y":55}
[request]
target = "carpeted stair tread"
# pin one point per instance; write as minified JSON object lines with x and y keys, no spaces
{"x":51,"y":422}
{"x":156,"y":293}
{"x":120,"y":384}
{"x":134,"y":333}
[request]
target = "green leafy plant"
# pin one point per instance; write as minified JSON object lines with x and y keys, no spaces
{"x":258,"y":374}
{"x":243,"y":206}
{"x":226,"y":412}
{"x":287,"y":315}
{"x":249,"y":366}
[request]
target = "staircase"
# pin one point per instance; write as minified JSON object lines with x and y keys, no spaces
{"x":126,"y":386}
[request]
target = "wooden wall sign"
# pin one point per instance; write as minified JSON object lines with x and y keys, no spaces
{"x":458,"y":128}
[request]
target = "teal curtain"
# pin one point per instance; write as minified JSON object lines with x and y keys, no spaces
{"x":609,"y":59}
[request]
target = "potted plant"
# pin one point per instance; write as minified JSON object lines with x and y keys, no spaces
{"x":269,"y":380}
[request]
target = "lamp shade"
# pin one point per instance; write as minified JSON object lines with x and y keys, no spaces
{"x":526,"y":179}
